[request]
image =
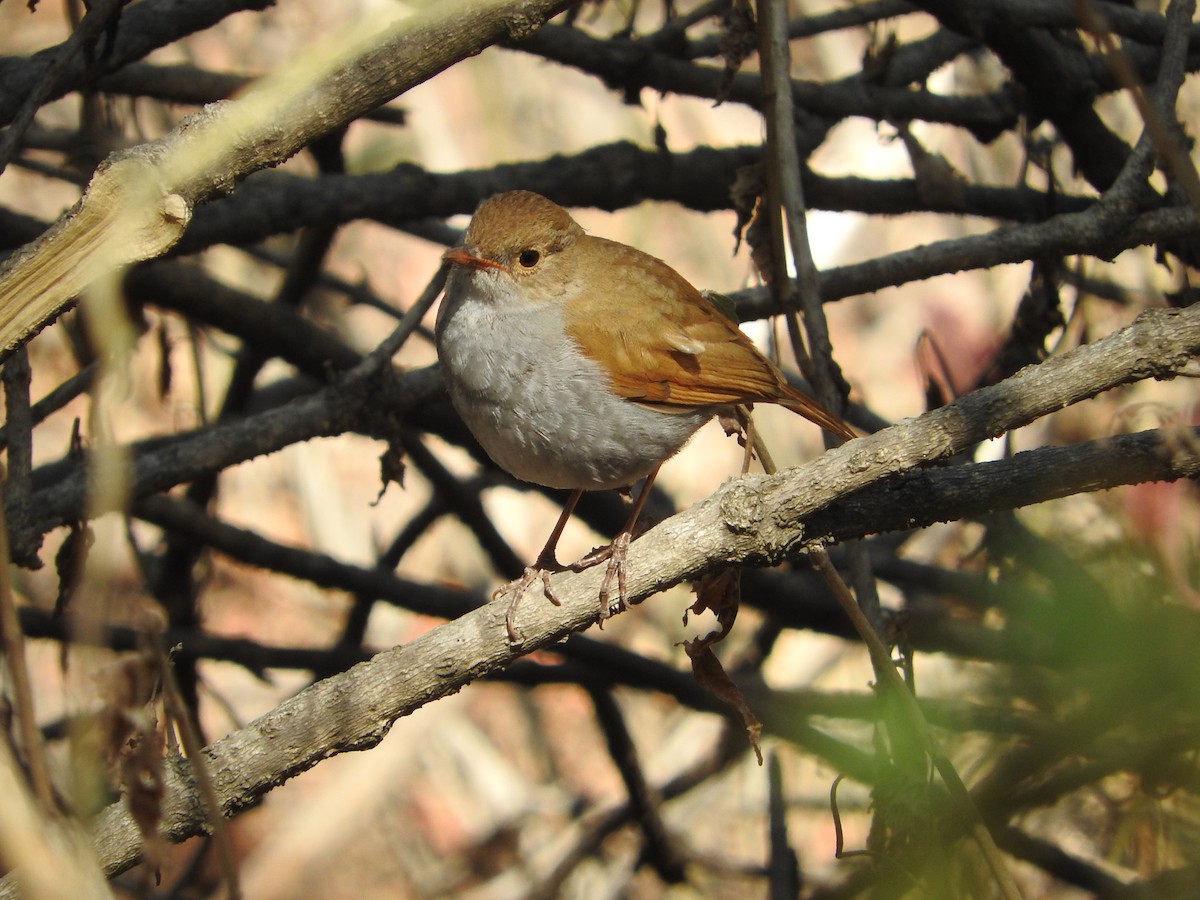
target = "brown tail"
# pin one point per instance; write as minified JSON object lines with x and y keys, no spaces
{"x":813,"y":411}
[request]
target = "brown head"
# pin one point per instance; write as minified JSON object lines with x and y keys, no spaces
{"x":523,"y":234}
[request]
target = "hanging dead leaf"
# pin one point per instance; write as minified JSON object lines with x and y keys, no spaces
{"x":391,"y":468}
{"x":711,"y":675}
{"x":720,"y":593}
{"x":749,"y":185}
{"x":739,"y":38}
{"x":144,"y":787}
{"x":939,"y":184}
{"x":69,"y":561}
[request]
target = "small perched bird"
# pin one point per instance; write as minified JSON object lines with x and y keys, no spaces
{"x":579,"y":362}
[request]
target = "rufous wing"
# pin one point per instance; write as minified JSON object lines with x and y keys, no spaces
{"x":662,"y":343}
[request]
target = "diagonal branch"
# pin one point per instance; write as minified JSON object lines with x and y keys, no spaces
{"x":140,"y":201}
{"x":754,"y":520}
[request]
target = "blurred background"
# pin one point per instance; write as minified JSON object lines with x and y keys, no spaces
{"x":508,"y":790}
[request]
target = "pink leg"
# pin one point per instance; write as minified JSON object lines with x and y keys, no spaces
{"x":615,"y":553}
{"x":543,"y":567}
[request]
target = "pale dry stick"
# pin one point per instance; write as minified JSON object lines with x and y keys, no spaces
{"x":18,"y":669}
{"x":786,"y":190}
{"x":47,"y":858}
{"x":111,"y":332}
{"x":777,"y":112}
{"x":140,"y":201}
{"x":192,"y":746}
{"x":784,"y":171}
{"x":885,"y":671}
{"x":887,"y":674}
{"x":197,"y":359}
{"x":755,"y":445}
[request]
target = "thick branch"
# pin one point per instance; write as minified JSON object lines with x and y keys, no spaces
{"x":144,"y":27}
{"x":751,"y":520}
{"x":159,"y":465}
{"x":139,"y":202}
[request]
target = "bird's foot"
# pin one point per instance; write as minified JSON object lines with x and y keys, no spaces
{"x":543,"y":568}
{"x":615,"y":553}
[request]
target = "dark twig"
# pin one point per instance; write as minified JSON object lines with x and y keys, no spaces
{"x":813,"y":25}
{"x":629,"y":67}
{"x":783,"y":868}
{"x":192,"y":85}
{"x":1067,"y":867}
{"x":174,"y":582}
{"x":82,"y":40}
{"x":786,"y":197}
{"x":354,"y":629}
{"x":77,"y":384}
{"x":1155,"y":110}
{"x":18,"y":434}
{"x":144,"y":27}
{"x":659,"y":849}
{"x":323,"y":571}
{"x":465,"y":503}
{"x":608,"y":176}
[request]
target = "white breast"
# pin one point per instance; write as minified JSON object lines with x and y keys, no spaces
{"x":541,"y":410}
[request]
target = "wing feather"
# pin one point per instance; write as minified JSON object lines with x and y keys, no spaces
{"x":662,"y":341}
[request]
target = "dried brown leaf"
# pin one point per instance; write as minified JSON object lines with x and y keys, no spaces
{"x":938,"y":183}
{"x":739,"y":38}
{"x":132,"y":743}
{"x":721,"y":593}
{"x":68,"y":562}
{"x":144,"y":786}
{"x":711,"y":675}
{"x":749,"y":185}
{"x":391,"y":468}
{"x":134,"y":683}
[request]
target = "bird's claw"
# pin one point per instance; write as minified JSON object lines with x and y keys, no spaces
{"x":518,"y":586}
{"x":616,"y":554}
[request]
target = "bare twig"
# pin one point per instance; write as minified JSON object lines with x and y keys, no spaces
{"x":1153,"y":110}
{"x":139,"y":203}
{"x":729,"y":527}
{"x":786,"y":197}
{"x":98,"y":18}
{"x":184,"y":718}
{"x":660,"y":850}
{"x":18,"y":437}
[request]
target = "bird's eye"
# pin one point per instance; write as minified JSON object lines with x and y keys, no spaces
{"x":529,"y":258}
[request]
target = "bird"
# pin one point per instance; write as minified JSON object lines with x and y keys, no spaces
{"x":583,"y":363}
